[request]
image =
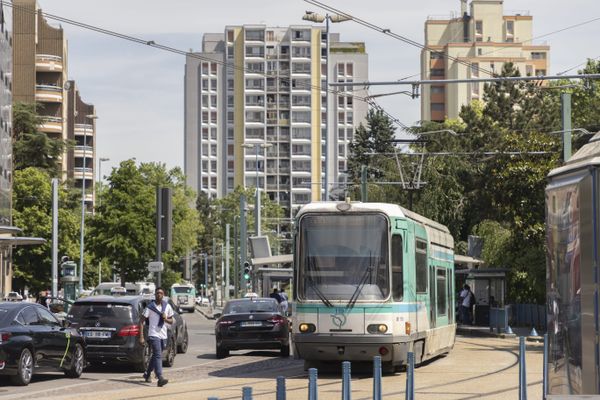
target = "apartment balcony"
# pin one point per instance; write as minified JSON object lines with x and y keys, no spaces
{"x":83,"y":151}
{"x":78,"y":173}
{"x":51,"y":125}
{"x":48,"y":94}
{"x":48,"y":63}
{"x":84,"y":129}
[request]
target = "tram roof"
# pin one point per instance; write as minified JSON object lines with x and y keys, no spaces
{"x":587,"y":155}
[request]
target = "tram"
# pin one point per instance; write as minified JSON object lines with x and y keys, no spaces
{"x":572,"y":272}
{"x":371,"y":279}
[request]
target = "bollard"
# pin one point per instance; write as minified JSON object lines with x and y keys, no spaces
{"x":246,"y":393}
{"x":545,"y":369}
{"x":346,"y":392}
{"x":312,"y":384}
{"x":509,"y":330}
{"x":410,"y":376}
{"x":213,"y":398}
{"x":533,"y":332}
{"x":376,"y":378}
{"x":522,"y":370}
{"x":280,"y":388}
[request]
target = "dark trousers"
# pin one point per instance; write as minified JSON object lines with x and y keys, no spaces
{"x":465,"y":315}
{"x":155,"y":363}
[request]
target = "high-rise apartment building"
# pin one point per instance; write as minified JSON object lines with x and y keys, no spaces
{"x":478,"y":41}
{"x":264,"y":88}
{"x":40,"y":76}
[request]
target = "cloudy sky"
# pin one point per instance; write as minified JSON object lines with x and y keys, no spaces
{"x":138,"y":90}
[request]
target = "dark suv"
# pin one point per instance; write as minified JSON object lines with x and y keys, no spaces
{"x":110,"y":327}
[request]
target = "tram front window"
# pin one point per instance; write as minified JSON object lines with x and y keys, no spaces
{"x":343,"y":257}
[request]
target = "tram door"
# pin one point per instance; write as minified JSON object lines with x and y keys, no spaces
{"x":432,"y":302}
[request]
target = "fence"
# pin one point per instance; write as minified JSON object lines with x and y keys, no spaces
{"x":313,"y":390}
{"x":529,"y":315}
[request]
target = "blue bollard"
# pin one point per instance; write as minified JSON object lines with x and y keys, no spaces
{"x":410,"y":376}
{"x":312,"y":384}
{"x":346,"y":392}
{"x":213,"y":398}
{"x":545,"y":369}
{"x":522,"y":370}
{"x":280,"y":388}
{"x":376,"y":378}
{"x":246,"y":393}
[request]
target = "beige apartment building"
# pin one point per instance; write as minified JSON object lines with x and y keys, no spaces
{"x":475,"y":44}
{"x":40,"y":75}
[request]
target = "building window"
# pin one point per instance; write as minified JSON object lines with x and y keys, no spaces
{"x":438,"y":90}
{"x":255,"y":116}
{"x":437,"y":72}
{"x":536,"y":55}
{"x":478,"y":31}
{"x":258,"y":35}
{"x":510,"y":28}
{"x":255,"y":67}
{"x":437,"y":107}
{"x":539,"y":72}
{"x":270,"y":36}
{"x":257,"y":83}
{"x":213,"y":69}
{"x":301,"y":51}
{"x":301,"y":68}
{"x":204,"y":68}
{"x":341,"y":69}
{"x":529,"y":70}
{"x":230,"y":35}
{"x":255,"y":51}
{"x":436,"y":55}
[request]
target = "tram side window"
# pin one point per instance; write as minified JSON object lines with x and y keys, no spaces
{"x":397,"y":278}
{"x":421,"y":265}
{"x":441,"y":292}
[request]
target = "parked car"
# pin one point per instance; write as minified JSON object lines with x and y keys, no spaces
{"x":110,"y":327}
{"x":202,"y":301}
{"x":179,"y":326}
{"x":252,"y":323}
{"x":13,"y":296}
{"x":32,"y":340}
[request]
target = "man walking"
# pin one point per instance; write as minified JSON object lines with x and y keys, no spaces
{"x":158,"y":314}
{"x":465,"y":298}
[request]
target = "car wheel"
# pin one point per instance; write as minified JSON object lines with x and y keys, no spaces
{"x":24,"y":369}
{"x":170,"y":359}
{"x":193,"y":310}
{"x":77,"y":364}
{"x":142,"y":366}
{"x":285,"y":350}
{"x":182,"y":348}
{"x":221,"y":352}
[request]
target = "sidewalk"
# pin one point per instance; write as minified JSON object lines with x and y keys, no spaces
{"x":208,"y":312}
{"x":485,"y":331}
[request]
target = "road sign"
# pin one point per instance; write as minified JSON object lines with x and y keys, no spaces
{"x":155,"y":266}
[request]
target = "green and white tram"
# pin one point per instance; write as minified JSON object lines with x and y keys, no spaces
{"x":371,"y":279}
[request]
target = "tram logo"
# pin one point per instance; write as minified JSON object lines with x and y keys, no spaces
{"x":339,"y":318}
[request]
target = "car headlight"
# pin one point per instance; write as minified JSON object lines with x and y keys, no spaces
{"x":377,"y":328}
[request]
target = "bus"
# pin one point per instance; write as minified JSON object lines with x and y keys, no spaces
{"x":371,"y":279}
{"x":106,"y":288}
{"x":184,"y":296}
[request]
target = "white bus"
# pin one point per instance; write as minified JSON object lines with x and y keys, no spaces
{"x":184,"y":296}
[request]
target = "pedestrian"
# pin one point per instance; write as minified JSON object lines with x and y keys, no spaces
{"x":465,"y":298}
{"x":284,"y":302}
{"x":275,"y":295}
{"x":159,"y":314}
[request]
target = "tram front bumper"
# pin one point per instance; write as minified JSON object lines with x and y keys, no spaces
{"x":392,"y":349}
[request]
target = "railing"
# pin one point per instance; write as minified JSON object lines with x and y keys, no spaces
{"x":83,"y":170}
{"x":48,"y":57}
{"x":86,"y":149}
{"x":50,"y":88}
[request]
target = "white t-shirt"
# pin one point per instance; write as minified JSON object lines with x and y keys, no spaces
{"x":154,"y":318}
{"x":466,"y":296}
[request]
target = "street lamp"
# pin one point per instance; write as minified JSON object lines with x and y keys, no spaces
{"x":257,"y":203}
{"x":335,"y":18}
{"x":81,"y":239}
{"x":100,"y":160}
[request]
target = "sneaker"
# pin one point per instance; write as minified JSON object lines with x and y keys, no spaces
{"x":162,"y":382}
{"x":147,"y":377}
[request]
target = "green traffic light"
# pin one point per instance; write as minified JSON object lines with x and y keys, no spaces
{"x":246,"y":276}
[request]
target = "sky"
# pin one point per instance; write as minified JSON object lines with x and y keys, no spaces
{"x":138,"y":90}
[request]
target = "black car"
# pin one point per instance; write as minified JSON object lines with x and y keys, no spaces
{"x":110,"y":327}
{"x":252,"y":323}
{"x":178,"y":327}
{"x":32,"y":340}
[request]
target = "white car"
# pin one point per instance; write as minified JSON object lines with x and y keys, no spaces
{"x":13,"y":296}
{"x":202,"y":301}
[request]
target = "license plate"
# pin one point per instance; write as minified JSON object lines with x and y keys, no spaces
{"x":95,"y":334}
{"x":183,"y":299}
{"x":251,"y":323}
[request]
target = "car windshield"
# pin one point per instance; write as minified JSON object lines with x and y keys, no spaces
{"x":342,"y":256}
{"x":250,"y":306}
{"x":182,"y":290}
{"x":109,"y":311}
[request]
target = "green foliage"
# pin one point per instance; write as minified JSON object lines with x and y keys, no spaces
{"x":32,"y":148}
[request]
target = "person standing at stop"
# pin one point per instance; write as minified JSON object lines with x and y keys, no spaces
{"x":159,"y":314}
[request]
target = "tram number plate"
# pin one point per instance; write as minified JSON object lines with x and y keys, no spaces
{"x":251,"y":323}
{"x":96,"y":334}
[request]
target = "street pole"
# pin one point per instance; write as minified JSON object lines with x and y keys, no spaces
{"x":81,"y":238}
{"x":222,"y":275}
{"x":363,"y":184}
{"x":100,"y":178}
{"x":227,"y":228}
{"x":214,"y":270}
{"x":243,"y":251}
{"x":257,"y":202}
{"x":236,"y":281}
{"x":565,"y":101}
{"x":326,"y":107}
{"x":158,"y":232}
{"x":54,"y":237}
{"x":205,"y":275}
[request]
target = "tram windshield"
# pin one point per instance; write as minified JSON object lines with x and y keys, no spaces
{"x":343,"y":257}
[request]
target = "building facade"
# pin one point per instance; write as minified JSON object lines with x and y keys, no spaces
{"x":475,"y":44}
{"x":255,"y":111}
{"x":41,"y":76}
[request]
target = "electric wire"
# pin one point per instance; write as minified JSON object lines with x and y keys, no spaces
{"x":158,"y":46}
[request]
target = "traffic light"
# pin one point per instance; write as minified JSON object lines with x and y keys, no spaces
{"x":247,"y":270}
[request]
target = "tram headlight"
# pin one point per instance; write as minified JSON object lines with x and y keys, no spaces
{"x":306,"y":328}
{"x":377,"y":328}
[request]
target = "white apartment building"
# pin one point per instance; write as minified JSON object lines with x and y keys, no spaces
{"x":478,"y":41}
{"x":263,"y":88}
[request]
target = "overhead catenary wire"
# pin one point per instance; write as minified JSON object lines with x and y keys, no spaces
{"x":174,"y":50}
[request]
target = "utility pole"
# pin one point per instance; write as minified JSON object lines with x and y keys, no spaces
{"x":243,"y":233}
{"x":257,"y":212}
{"x":236,"y":271}
{"x":227,"y":228}
{"x":363,"y":184}
{"x":214,"y":269}
{"x":158,"y":231}
{"x":565,"y":102}
{"x":54,"y":237}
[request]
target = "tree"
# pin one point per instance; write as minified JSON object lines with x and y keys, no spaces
{"x":32,"y":148}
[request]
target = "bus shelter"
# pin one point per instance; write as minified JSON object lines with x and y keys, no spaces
{"x":489,"y":287}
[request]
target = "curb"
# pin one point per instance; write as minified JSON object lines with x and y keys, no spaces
{"x":483,"y":333}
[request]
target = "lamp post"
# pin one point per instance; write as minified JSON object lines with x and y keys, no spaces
{"x":257,"y":202}
{"x":100,"y":160}
{"x":81,"y":239}
{"x":335,"y":18}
